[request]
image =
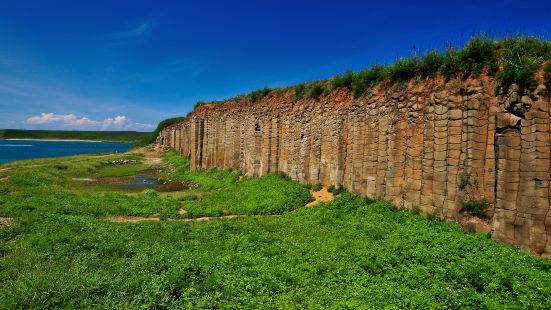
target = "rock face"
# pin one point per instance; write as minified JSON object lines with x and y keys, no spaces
{"x":429,"y":146}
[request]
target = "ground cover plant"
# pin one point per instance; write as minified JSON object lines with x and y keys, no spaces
{"x":61,"y":249}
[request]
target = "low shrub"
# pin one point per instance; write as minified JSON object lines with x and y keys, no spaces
{"x":431,"y":63}
{"x":259,"y":94}
{"x":477,"y":54}
{"x":521,"y":58}
{"x":316,"y":90}
{"x":343,"y":80}
{"x":336,"y":189}
{"x":474,"y":207}
{"x":316,"y":187}
{"x":366,"y":79}
{"x":464,"y":180}
{"x":403,"y":69}
{"x":300,"y":90}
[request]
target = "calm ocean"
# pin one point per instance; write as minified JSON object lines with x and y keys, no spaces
{"x":11,"y":150}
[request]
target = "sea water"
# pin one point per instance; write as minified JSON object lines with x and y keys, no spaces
{"x":11,"y":150}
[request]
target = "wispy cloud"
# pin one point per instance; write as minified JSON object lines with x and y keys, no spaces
{"x":131,"y":33}
{"x":74,"y":122}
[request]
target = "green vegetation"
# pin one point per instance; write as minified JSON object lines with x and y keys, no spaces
{"x":63,"y":251}
{"x":129,"y":136}
{"x":547,"y":75}
{"x":518,"y":57}
{"x":259,"y":94}
{"x":336,"y":189}
{"x":522,"y":57}
{"x":316,"y":90}
{"x":313,"y":187}
{"x":150,"y":138}
{"x":464,"y":180}
{"x":270,"y":194}
{"x":475,"y":207}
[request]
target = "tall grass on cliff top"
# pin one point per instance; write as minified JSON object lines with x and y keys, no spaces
{"x":510,"y":60}
{"x":61,"y":251}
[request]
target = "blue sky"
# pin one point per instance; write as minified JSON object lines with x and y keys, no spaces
{"x":129,"y":64}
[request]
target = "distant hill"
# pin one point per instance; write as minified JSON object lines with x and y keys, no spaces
{"x":129,"y":136}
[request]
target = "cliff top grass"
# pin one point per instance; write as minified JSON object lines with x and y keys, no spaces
{"x":513,"y":60}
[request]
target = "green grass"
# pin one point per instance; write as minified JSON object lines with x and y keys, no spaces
{"x":212,"y":179}
{"x":475,"y":207}
{"x":259,"y":94}
{"x":127,"y":136}
{"x":270,"y":194}
{"x":227,"y":192}
{"x":62,"y":252}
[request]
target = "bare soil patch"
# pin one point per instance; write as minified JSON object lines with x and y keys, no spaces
{"x":155,"y":217}
{"x":152,"y":155}
{"x":475,"y":224}
{"x":323,"y":195}
{"x":133,"y":219}
{"x":5,"y":221}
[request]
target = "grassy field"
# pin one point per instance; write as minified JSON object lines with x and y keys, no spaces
{"x":130,"y":136}
{"x":61,"y":249}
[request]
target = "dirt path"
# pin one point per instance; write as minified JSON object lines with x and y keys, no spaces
{"x":152,"y":155}
{"x":154,"y":218}
{"x":323,"y":195}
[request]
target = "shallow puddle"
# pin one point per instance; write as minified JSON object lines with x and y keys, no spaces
{"x":141,"y":182}
{"x":137,"y":183}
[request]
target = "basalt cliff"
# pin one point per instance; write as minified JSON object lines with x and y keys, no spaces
{"x":434,"y":145}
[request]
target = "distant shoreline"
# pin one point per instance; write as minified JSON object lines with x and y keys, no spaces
{"x":66,"y":140}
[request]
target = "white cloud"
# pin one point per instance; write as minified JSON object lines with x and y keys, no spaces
{"x":72,"y":121}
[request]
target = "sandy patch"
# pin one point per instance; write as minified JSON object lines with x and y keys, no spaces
{"x":5,"y":221}
{"x":475,"y":224}
{"x":321,"y":196}
{"x":155,"y":217}
{"x":84,"y":179}
{"x":134,"y":219}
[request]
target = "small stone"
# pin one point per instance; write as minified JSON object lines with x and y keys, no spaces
{"x":514,"y":98}
{"x":514,"y":88}
{"x":540,"y":90}
{"x":527,"y":100}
